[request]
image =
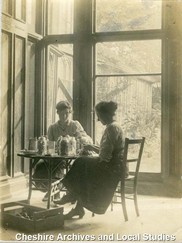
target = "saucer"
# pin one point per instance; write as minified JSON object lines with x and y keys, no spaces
{"x":28,"y":152}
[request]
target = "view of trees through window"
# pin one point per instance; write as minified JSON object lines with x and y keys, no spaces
{"x":120,"y":15}
{"x":129,"y":72}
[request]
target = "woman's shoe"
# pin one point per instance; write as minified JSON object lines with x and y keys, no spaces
{"x":75,"y":212}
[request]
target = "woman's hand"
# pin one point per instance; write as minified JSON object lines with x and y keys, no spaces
{"x":91,"y":147}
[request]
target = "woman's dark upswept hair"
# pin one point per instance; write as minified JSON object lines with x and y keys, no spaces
{"x":107,"y":107}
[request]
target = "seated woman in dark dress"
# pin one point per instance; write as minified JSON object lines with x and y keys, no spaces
{"x":91,"y":181}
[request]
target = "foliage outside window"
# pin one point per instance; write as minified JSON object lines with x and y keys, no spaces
{"x":129,"y":72}
{"x":125,"y":15}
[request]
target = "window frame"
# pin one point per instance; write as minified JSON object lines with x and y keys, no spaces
{"x":135,"y":35}
{"x":86,"y":41}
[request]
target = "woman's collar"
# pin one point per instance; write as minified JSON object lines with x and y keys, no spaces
{"x":65,"y":123}
{"x":110,"y":123}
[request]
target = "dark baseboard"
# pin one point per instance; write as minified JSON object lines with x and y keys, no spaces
{"x":165,"y":188}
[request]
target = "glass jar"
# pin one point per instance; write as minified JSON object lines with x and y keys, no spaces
{"x":64,"y":145}
{"x":42,"y":145}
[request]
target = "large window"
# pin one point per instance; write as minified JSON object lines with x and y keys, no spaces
{"x":128,"y":70}
{"x":90,"y":50}
{"x":126,"y":65}
{"x":86,"y":51}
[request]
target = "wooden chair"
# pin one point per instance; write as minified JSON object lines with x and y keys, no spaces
{"x":127,"y":187}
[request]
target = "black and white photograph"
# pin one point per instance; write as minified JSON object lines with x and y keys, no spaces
{"x":91,"y":121}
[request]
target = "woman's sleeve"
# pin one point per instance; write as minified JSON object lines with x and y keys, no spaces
{"x":107,"y":144}
{"x":80,"y":132}
{"x":79,"y":129}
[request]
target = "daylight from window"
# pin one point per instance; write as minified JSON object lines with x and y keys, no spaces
{"x":123,"y":15}
{"x":129,"y":72}
{"x":60,"y":78}
{"x":126,"y":71}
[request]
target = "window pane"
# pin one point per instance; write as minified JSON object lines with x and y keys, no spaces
{"x":123,"y":15}
{"x":7,"y":6}
{"x":34,"y":16}
{"x":139,"y":111}
{"x":60,"y":78}
{"x":20,"y":6}
{"x":128,"y":57}
{"x":29,"y":93}
{"x":19,"y":100}
{"x":60,"y":16}
{"x":5,"y":98}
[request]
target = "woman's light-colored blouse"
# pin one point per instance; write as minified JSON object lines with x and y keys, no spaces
{"x":112,"y":143}
{"x":72,"y":128}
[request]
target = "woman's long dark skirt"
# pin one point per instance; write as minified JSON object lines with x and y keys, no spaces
{"x":92,"y":182}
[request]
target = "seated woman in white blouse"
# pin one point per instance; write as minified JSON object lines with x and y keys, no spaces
{"x":64,"y":126}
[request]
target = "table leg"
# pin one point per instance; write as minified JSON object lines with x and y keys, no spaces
{"x":49,"y":183}
{"x":30,"y":180}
